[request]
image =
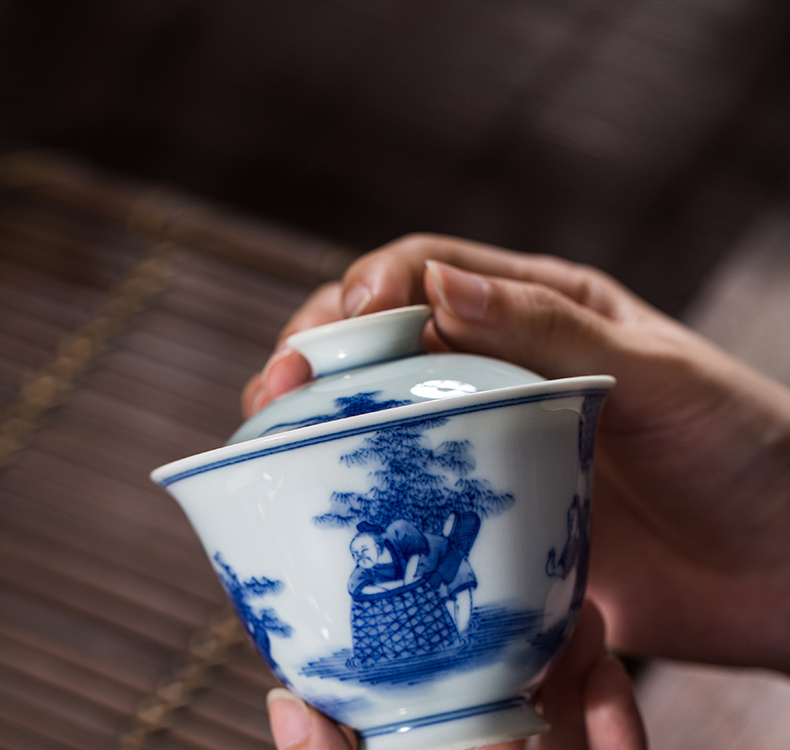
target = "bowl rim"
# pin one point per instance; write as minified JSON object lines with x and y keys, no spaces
{"x":227,"y":455}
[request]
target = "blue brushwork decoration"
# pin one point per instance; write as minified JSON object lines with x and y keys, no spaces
{"x":574,"y":555}
{"x":346,"y":406}
{"x":575,"y":548}
{"x":259,"y":622}
{"x":411,"y":481}
{"x":412,"y":532}
{"x":492,"y":629}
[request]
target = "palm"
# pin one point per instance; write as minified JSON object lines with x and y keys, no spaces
{"x":672,"y":540}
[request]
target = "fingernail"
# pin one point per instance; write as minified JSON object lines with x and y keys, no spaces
{"x":279,"y":354}
{"x":262,"y":398}
{"x":288,"y":719}
{"x":286,"y":370}
{"x":271,"y":377}
{"x":356,"y":300}
{"x":464,"y":295}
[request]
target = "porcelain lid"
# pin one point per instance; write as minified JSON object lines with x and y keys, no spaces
{"x":376,"y":362}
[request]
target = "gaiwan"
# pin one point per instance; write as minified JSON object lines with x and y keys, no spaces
{"x":406,"y":537}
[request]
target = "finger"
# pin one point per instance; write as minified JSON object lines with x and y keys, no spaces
{"x":562,"y":697}
{"x":323,"y":306}
{"x":285,"y":368}
{"x":297,"y":726}
{"x":524,"y":322}
{"x":253,"y":397}
{"x":612,"y":715}
{"x":392,"y":276}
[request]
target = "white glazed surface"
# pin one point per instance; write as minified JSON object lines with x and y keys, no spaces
{"x":427,"y":377}
{"x":355,"y":342}
{"x":381,"y":357}
{"x":327,"y":518}
{"x":255,"y":504}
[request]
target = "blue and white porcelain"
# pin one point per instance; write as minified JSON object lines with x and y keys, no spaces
{"x":406,"y":537}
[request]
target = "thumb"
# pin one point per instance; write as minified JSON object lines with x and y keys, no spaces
{"x":527,"y":323}
{"x":297,"y":726}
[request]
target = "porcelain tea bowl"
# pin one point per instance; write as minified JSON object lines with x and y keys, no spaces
{"x":406,"y":537}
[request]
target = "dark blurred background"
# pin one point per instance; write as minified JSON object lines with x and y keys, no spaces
{"x":639,"y":135}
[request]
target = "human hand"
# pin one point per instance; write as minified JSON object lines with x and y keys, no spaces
{"x":587,"y":700}
{"x":690,"y":557}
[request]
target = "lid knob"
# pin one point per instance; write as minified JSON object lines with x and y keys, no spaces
{"x":365,"y":340}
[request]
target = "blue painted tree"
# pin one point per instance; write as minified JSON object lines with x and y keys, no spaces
{"x":346,"y":406}
{"x":414,"y":481}
{"x":259,"y":622}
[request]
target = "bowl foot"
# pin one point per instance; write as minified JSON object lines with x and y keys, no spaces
{"x":476,"y":726}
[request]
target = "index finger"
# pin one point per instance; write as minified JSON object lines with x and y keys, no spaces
{"x":392,"y":276}
{"x":287,"y":369}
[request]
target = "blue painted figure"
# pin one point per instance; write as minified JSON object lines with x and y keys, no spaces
{"x":574,"y":549}
{"x":387,"y":558}
{"x":396,"y":612}
{"x":411,"y":590}
{"x":454,"y":574}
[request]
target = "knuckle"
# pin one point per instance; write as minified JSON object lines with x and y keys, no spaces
{"x":549,"y":315}
{"x":590,"y":287}
{"x":322,"y":306}
{"x":417,"y":243}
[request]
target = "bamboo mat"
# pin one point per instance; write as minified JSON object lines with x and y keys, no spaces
{"x":129,"y":321}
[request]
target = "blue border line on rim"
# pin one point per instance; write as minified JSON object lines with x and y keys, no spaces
{"x":351,"y":432}
{"x":461,"y":713}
